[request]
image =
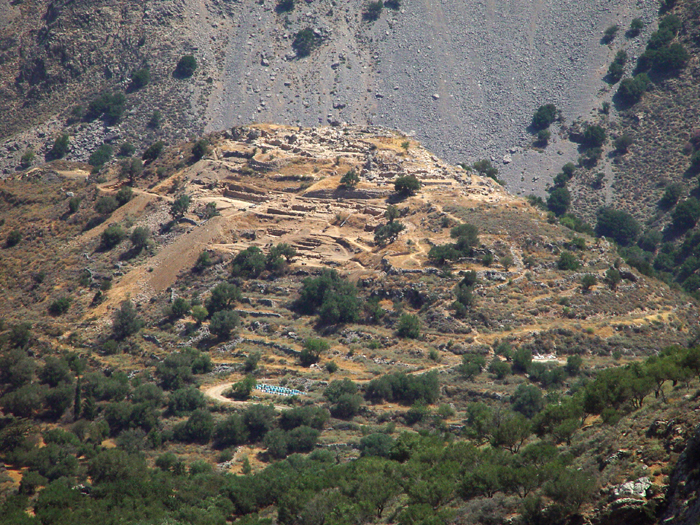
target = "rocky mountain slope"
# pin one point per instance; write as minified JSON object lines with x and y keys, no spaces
{"x":466,"y":78}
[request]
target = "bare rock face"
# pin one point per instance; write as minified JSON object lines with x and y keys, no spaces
{"x":633,"y":489}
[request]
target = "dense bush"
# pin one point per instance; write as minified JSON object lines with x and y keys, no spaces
{"x":313,"y":348}
{"x":139,"y":237}
{"x":140,"y":78}
{"x":544,"y":116}
{"x":559,"y":200}
{"x":178,"y":369}
{"x":100,"y":156}
{"x":305,"y":41}
{"x":373,"y":10}
{"x":108,"y":106}
{"x":153,"y":151}
{"x":617,"y":225}
{"x":179,"y":207}
{"x":387,"y":233}
{"x":350,"y":179}
{"x":686,"y":214}
{"x":60,"y":306}
{"x":223,"y":297}
{"x":632,"y":89}
{"x":126,"y":321}
{"x":403,"y":388}
{"x":112,"y":236}
{"x":186,"y":67}
{"x":223,"y":323}
{"x":13,"y":238}
{"x":472,"y":365}
{"x":408,"y":327}
{"x":617,"y":67}
{"x":106,"y":205}
{"x":407,"y":185}
{"x":200,"y":148}
{"x":568,"y":261}
{"x":331,"y":296}
{"x":60,"y":146}
{"x":594,"y":136}
{"x":124,"y":195}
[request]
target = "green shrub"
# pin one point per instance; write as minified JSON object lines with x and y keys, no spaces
{"x":671,"y":195}
{"x":472,"y":365}
{"x":622,"y":143}
{"x":350,"y":179}
{"x":124,"y":195}
{"x":305,"y":41}
{"x":559,"y":200}
{"x":60,"y":146}
{"x":527,"y":400}
{"x":594,"y":136}
{"x":127,"y":149}
{"x":331,"y":296}
{"x":686,"y":214}
{"x":284,"y":6}
{"x":610,"y":33}
{"x":156,"y":120}
{"x":406,"y":389}
{"x":408,"y":327}
{"x":544,"y":116}
{"x":186,"y":67}
{"x":249,"y":263}
{"x":618,"y":225}
{"x":108,"y":106}
{"x":387,"y":233}
{"x":373,"y":10}
{"x":153,"y":151}
{"x":485,"y":169}
{"x":200,"y":148}
{"x":632,"y":89}
{"x":126,"y":321}
{"x":223,"y":297}
{"x":139,"y":237}
{"x":543,"y":137}
{"x":74,"y":204}
{"x":60,"y":306}
{"x":223,"y":323}
{"x":612,"y":278}
{"x":106,"y":205}
{"x":198,"y":428}
{"x":568,"y":261}
{"x":203,"y":261}
{"x":131,"y":169}
{"x":13,"y":238}
{"x":100,"y":156}
{"x":500,"y":369}
{"x":407,"y":185}
{"x":28,"y":158}
{"x":635,"y":27}
{"x":112,"y":236}
{"x":313,"y":348}
{"x":140,"y":78}
{"x":588,"y":281}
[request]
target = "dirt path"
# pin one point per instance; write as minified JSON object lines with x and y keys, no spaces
{"x":216,"y":392}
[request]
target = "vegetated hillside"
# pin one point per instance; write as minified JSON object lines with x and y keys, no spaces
{"x":466,"y":77}
{"x":476,"y":361}
{"x":652,"y":153}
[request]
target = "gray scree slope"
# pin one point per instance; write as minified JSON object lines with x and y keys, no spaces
{"x":466,"y":76}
